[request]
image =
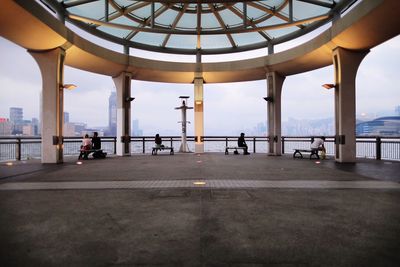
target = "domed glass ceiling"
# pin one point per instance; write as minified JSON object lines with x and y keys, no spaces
{"x":201,"y":26}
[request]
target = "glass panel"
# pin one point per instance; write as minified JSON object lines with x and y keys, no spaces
{"x":248,"y":38}
{"x":149,"y":38}
{"x":114,"y":31}
{"x":167,"y":18}
{"x":214,"y":41}
{"x":183,"y":41}
{"x":209,"y":21}
{"x":188,"y":21}
{"x":303,"y":10}
{"x":93,"y":10}
{"x":230,"y":18}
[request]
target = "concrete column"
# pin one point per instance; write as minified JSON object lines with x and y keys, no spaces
{"x":51,"y":64}
{"x":274,"y":84}
{"x":198,"y":114}
{"x":346,"y":64}
{"x":123,"y":86}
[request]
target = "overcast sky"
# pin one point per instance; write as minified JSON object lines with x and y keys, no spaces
{"x":229,"y":108}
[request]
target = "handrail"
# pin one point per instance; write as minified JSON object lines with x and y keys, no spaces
{"x":25,"y":147}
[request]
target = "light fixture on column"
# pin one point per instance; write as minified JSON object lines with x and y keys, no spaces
{"x":268,"y":99}
{"x":199,"y":102}
{"x":129,"y":99}
{"x":68,"y":86}
{"x":329,"y":86}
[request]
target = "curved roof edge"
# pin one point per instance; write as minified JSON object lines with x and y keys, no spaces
{"x":368,"y":24}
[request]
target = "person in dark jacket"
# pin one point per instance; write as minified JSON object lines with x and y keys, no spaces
{"x":242,"y":143}
{"x":96,"y":141}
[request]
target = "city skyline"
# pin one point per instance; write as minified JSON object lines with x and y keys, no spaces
{"x":228,"y":107}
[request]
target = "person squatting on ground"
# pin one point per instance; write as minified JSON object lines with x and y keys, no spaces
{"x":96,"y":144}
{"x":242,"y":143}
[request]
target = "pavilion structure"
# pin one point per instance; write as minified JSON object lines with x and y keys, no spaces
{"x":198,"y":28}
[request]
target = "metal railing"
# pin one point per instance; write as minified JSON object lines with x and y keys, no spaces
{"x":373,"y":147}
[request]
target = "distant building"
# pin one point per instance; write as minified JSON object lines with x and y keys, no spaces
{"x":136,"y":131}
{"x":16,"y":119}
{"x":80,"y":128}
{"x":112,"y":114}
{"x":384,"y":126}
{"x":28,"y":129}
{"x":69,"y":129}
{"x":36,"y":126}
{"x":5,"y":126}
{"x":397,"y":110}
{"x":66,"y":117}
{"x":294,"y":127}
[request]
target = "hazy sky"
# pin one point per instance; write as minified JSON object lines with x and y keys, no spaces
{"x":229,"y":108}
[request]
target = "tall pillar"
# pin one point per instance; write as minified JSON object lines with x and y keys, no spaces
{"x":346,"y":64}
{"x":51,"y":64}
{"x":198,"y":114}
{"x":123,"y":86}
{"x":274,"y":84}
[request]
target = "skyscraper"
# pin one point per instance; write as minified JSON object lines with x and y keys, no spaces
{"x":16,"y":118}
{"x":112,"y":114}
{"x":136,"y":131}
{"x":66,"y":117}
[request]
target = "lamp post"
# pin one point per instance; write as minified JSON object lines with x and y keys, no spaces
{"x":184,"y":147}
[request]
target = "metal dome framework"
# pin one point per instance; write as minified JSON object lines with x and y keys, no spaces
{"x":198,"y":27}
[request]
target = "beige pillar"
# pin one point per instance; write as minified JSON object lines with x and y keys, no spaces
{"x":123,"y":86}
{"x":198,"y":114}
{"x":346,"y":64}
{"x":51,"y":64}
{"x":274,"y":84}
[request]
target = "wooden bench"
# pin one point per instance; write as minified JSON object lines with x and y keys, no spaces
{"x":313,"y":152}
{"x":155,"y":149}
{"x":86,"y":153}
{"x":233,"y":147}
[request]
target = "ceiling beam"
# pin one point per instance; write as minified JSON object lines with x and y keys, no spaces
{"x":147,"y":22}
{"x":198,"y":27}
{"x":173,"y":26}
{"x":223,"y":25}
{"x":198,"y":30}
{"x":248,"y":22}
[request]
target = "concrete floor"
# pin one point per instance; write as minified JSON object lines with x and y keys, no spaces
{"x":200,"y":226}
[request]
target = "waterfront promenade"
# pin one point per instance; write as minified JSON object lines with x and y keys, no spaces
{"x":200,"y":210}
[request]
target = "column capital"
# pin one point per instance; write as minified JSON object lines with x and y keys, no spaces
{"x":198,"y":75}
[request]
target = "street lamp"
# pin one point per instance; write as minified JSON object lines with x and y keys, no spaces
{"x":68,"y":86}
{"x":129,"y":99}
{"x":268,"y":99}
{"x":329,"y":86}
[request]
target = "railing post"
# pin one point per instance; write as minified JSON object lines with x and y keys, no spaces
{"x":18,"y":149}
{"x":115,"y":145}
{"x":283,"y":144}
{"x":254,"y":145}
{"x":226,"y":141}
{"x":144,"y":145}
{"x":171,"y":142}
{"x":378,"y":148}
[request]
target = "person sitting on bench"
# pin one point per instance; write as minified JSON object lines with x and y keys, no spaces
{"x":318,"y":144}
{"x":158,"y":142}
{"x":86,"y":146}
{"x":242,"y":143}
